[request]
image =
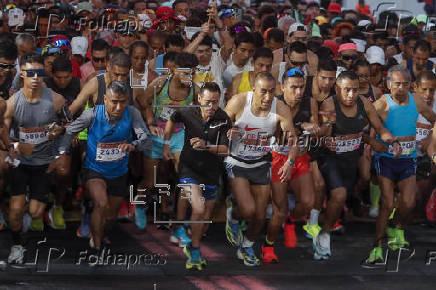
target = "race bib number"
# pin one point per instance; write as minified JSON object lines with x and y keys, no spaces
{"x":345,"y":143}
{"x":408,"y":148}
{"x":35,"y":136}
{"x":166,"y":113}
{"x":422,"y":131}
{"x":107,"y":152}
{"x":253,"y":146}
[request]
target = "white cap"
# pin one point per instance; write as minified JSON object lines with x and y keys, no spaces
{"x":79,"y":45}
{"x":297,"y":26}
{"x":363,"y":23}
{"x":360,"y":43}
{"x":375,"y":54}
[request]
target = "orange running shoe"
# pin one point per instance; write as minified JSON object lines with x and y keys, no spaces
{"x":290,"y":237}
{"x":268,"y":255}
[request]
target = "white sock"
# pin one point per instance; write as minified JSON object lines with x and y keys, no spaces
{"x":229,"y":213}
{"x":314,"y":213}
{"x":246,"y":243}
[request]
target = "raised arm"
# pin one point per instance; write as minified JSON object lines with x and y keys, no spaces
{"x":85,"y":94}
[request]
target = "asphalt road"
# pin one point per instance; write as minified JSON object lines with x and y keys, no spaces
{"x":161,"y":264}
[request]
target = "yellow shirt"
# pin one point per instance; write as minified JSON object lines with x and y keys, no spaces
{"x":244,"y":85}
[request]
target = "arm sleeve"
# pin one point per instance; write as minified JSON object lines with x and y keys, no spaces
{"x":83,"y":122}
{"x":177,"y":117}
{"x":144,"y":136}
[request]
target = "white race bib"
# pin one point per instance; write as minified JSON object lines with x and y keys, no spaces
{"x":253,"y":146}
{"x":422,"y":131}
{"x":166,"y":113}
{"x":107,"y":152}
{"x":35,"y":136}
{"x":408,"y":147}
{"x":346,"y":143}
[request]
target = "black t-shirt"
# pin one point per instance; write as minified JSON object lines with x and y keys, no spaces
{"x":69,"y":93}
{"x":5,"y":86}
{"x":202,"y":165}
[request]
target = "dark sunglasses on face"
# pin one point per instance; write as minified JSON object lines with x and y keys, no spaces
{"x":31,"y":72}
{"x":98,"y":59}
{"x":6,"y":66}
{"x":349,"y":57}
{"x":298,"y":63}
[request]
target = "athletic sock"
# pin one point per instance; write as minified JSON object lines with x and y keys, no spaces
{"x":268,"y":243}
{"x":246,"y":243}
{"x":374,"y":193}
{"x":314,"y":214}
{"x":16,"y":238}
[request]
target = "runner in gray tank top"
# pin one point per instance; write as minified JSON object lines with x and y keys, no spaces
{"x":29,"y":114}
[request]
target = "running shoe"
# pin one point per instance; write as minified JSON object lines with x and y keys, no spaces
{"x":180,"y":237}
{"x":233,"y":233}
{"x":398,"y":240}
{"x":195,"y":260}
{"x":84,"y":230}
{"x":391,"y":217}
{"x":247,"y":254}
{"x":140,"y":217}
{"x":123,"y":214}
{"x":375,"y":256}
{"x":105,"y":242}
{"x":16,"y":255}
{"x":268,"y":255}
{"x":321,"y":246}
{"x":56,"y":218}
{"x":311,"y":230}
{"x":37,"y":224}
{"x":338,"y":227}
{"x":290,"y":237}
{"x":3,"y":224}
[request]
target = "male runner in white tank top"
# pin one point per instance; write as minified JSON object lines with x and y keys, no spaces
{"x":257,"y":116}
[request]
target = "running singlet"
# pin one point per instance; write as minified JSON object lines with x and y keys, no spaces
{"x":252,"y":148}
{"x":303,"y":116}
{"x":31,"y":122}
{"x":162,"y":113}
{"x":103,"y":155}
{"x":244,"y":85}
{"x":423,"y":129}
{"x":401,"y":122}
{"x":347,"y":132}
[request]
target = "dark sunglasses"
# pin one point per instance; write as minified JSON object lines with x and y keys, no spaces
{"x":349,"y":57}
{"x":298,"y":63}
{"x":31,"y":72}
{"x":295,"y":72}
{"x":98,"y":59}
{"x":6,"y":66}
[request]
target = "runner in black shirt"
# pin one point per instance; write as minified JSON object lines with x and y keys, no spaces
{"x":200,"y":161}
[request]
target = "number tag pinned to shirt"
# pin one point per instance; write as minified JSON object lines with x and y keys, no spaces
{"x":108,"y":152}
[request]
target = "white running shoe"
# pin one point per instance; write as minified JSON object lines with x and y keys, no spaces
{"x":17,"y":254}
{"x":321,"y":246}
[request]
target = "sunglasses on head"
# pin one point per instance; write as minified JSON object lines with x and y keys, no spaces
{"x":62,"y":43}
{"x":32,"y":72}
{"x":6,"y":66}
{"x":52,"y":51}
{"x":240,"y":28}
{"x":295,"y":72}
{"x":349,"y":57}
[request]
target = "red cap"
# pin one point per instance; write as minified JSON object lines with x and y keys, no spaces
{"x":333,"y":45}
{"x":164,"y":11}
{"x":335,"y":8}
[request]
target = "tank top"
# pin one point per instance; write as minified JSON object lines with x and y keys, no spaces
{"x":429,"y":66}
{"x":303,"y":116}
{"x":163,"y":103}
{"x":252,"y":149}
{"x":401,"y":122}
{"x":103,"y":155}
{"x":101,"y":91}
{"x":423,"y":129}
{"x":30,"y":123}
{"x":347,"y":132}
{"x":244,"y":85}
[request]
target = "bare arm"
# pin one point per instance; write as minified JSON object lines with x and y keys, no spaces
{"x":233,"y":88}
{"x":327,"y":115}
{"x":9,"y":113}
{"x":192,"y":47}
{"x":85,"y":94}
{"x":375,"y":122}
{"x":425,"y":110}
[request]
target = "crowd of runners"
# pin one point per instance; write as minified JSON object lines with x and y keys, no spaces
{"x":286,"y":111}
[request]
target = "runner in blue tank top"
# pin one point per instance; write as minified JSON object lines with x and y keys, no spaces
{"x":399,"y":113}
{"x":110,"y":137}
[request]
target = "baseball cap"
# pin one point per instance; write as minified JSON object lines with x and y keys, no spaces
{"x":335,"y":8}
{"x":375,"y":54}
{"x":79,"y":45}
{"x":297,"y":26}
{"x":363,"y":23}
{"x":84,"y":6}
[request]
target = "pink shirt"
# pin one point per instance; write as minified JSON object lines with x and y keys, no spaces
{"x":86,"y":69}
